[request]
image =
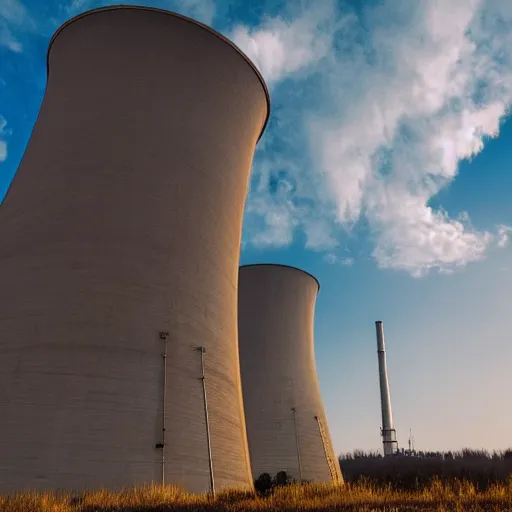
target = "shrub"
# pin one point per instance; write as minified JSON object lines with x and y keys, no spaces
{"x":263,"y":484}
{"x":282,"y":479}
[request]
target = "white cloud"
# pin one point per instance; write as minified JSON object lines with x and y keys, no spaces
{"x":422,"y":111}
{"x":13,"y":16}
{"x":330,"y":258}
{"x":7,"y":38}
{"x":271,"y":215}
{"x":202,"y":10}
{"x":403,"y":96}
{"x":3,"y":134}
{"x":504,"y":235}
{"x":318,"y":235}
{"x":13,"y":11}
{"x":333,"y":259}
{"x":415,"y":238}
{"x":3,"y":151}
{"x":280,"y":47}
{"x":77,"y":6}
{"x":279,"y":225}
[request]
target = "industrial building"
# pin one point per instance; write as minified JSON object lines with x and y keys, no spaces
{"x":121,"y":235}
{"x":286,"y":424}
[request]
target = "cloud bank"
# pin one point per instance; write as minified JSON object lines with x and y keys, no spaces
{"x":387,"y":102}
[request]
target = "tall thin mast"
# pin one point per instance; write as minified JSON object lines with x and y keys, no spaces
{"x":388,"y":430}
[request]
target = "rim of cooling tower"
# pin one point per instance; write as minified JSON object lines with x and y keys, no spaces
{"x":176,"y":15}
{"x":282,"y":265}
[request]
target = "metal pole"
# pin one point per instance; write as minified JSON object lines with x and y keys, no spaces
{"x":163,"y":336}
{"x":207,"y":422}
{"x":297,"y":446}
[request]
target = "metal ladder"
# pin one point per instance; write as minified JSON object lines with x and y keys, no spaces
{"x":335,"y":475}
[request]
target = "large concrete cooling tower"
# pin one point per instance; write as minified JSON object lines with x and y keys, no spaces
{"x":286,"y":424}
{"x":123,"y":224}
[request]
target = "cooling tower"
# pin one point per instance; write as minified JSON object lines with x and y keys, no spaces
{"x":120,"y":239}
{"x":286,"y":424}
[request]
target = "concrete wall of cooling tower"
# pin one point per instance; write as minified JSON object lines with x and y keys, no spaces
{"x":124,"y":220}
{"x":286,"y":424}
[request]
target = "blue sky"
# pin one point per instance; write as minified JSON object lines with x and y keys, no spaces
{"x":384,"y":171}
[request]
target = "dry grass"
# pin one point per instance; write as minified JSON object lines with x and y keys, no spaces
{"x":364,"y":496}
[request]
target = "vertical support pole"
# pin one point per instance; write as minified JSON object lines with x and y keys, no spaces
{"x":207,"y":422}
{"x":297,"y":445}
{"x":163,"y":337}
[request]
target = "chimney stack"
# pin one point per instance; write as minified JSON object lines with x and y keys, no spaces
{"x":388,"y":431}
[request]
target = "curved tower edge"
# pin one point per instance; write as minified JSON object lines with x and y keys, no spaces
{"x":214,"y":32}
{"x":280,"y":265}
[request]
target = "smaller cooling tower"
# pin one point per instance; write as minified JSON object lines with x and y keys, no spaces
{"x":286,"y":424}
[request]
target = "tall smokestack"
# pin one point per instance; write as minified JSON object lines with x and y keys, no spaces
{"x":388,"y":431}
